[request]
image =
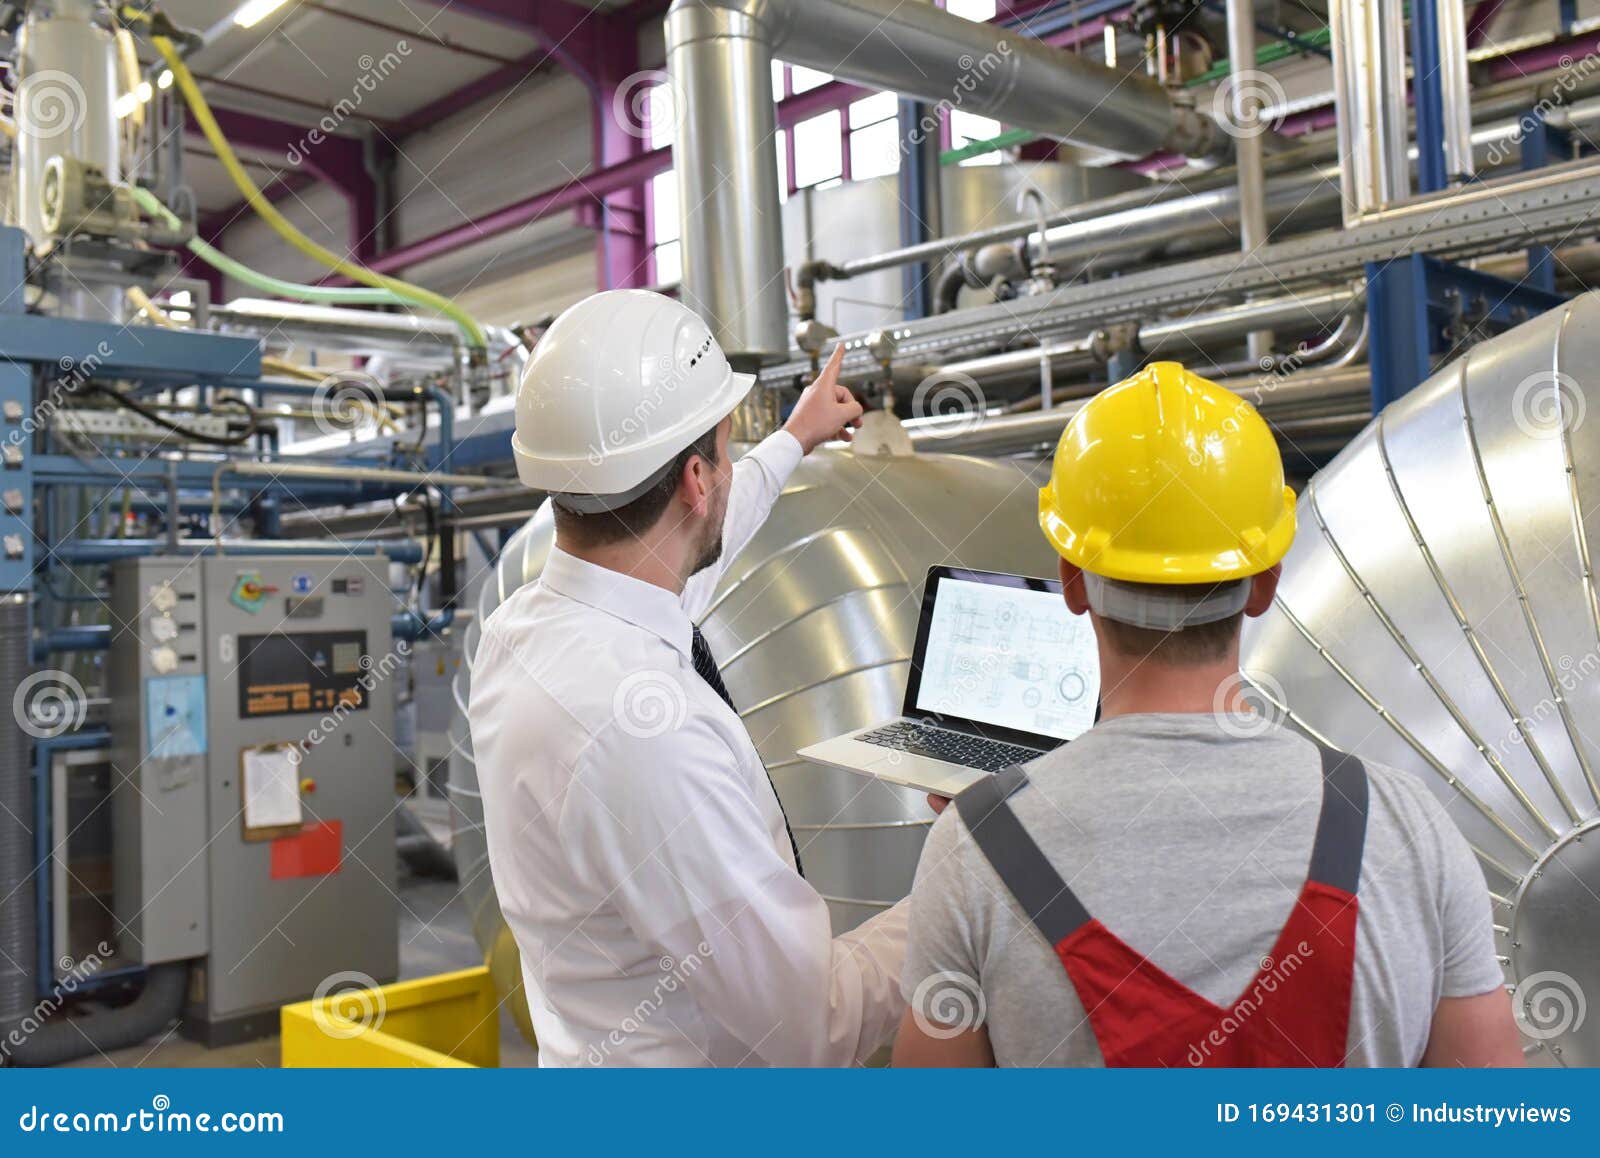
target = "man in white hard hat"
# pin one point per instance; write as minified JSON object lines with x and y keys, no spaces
{"x":640,"y":854}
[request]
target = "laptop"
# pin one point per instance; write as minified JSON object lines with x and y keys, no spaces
{"x":1001,"y":673}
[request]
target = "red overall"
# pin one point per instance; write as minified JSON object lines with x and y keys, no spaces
{"x":1294,"y":1012}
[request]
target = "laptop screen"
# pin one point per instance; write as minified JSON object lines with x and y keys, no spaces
{"x":1003,"y":653}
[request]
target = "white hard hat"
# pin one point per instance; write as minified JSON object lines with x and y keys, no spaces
{"x":618,"y":385}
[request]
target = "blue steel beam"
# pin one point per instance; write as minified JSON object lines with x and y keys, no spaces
{"x":1429,"y":94}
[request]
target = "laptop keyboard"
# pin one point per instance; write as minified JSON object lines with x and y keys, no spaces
{"x":950,"y":746}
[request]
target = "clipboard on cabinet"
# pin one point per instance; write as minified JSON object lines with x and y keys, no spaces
{"x":269,"y":791}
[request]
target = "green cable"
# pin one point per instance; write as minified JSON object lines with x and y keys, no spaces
{"x":216,"y":259}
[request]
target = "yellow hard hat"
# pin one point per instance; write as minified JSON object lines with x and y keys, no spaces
{"x":1168,"y":478}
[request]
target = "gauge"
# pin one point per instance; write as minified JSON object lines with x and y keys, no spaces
{"x":163,"y":629}
{"x":163,"y":597}
{"x":163,"y":659}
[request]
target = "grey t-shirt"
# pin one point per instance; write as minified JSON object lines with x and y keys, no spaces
{"x":1188,"y":836}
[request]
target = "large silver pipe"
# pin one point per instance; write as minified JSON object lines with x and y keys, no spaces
{"x":1183,"y":335}
{"x":1307,"y":194}
{"x":1369,"y":80}
{"x":725,"y":155}
{"x":720,"y":55}
{"x":1245,"y":125}
{"x":1455,"y":90}
{"x":921,"y":51}
{"x":1012,"y":433}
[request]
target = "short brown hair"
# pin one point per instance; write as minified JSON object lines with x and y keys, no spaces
{"x":602,"y":528}
{"x":1197,"y":644}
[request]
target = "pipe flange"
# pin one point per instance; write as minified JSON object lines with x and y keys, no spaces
{"x":1555,"y":948}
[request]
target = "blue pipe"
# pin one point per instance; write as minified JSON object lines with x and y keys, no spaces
{"x":410,"y":626}
{"x":110,"y":550}
{"x":43,"y":748}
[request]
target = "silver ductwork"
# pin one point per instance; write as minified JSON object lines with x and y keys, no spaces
{"x":1438,"y":613}
{"x":813,"y":626}
{"x":720,"y":55}
{"x":1369,"y":85}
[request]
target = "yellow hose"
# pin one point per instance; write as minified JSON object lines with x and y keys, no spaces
{"x":281,"y":225}
{"x":141,"y":301}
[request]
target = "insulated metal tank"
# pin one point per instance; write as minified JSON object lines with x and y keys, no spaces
{"x":813,"y":626}
{"x":1438,"y":613}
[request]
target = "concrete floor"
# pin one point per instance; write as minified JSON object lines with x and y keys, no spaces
{"x":434,"y":938}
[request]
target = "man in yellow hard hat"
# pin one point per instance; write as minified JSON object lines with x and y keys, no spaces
{"x":1185,"y":885}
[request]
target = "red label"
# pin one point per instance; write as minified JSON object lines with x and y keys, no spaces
{"x":314,"y":852}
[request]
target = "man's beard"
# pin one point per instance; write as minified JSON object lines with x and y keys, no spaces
{"x":711,"y":549}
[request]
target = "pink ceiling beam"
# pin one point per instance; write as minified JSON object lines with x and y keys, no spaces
{"x":580,"y":190}
{"x":335,"y":160}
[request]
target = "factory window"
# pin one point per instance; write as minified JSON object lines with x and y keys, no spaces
{"x":981,"y":10}
{"x":965,"y":128}
{"x":806,"y":79}
{"x":665,"y":254}
{"x":818,"y":150}
{"x":783,"y":165}
{"x":874,"y":136}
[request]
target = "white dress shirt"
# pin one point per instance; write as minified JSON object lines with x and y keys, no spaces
{"x":638,"y":850}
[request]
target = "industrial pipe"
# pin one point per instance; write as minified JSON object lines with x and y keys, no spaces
{"x":996,"y":434}
{"x":1248,"y":157}
{"x":1455,"y":90}
{"x":63,"y":1038}
{"x":75,"y":551}
{"x":1369,"y":81}
{"x":1198,"y":332}
{"x":720,"y":55}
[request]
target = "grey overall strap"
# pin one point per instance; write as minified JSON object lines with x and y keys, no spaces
{"x":1022,"y":867}
{"x":1055,"y":909}
{"x":1342,"y":825}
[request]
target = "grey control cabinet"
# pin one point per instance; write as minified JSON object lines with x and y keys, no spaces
{"x":158,"y":760}
{"x":297,"y":658}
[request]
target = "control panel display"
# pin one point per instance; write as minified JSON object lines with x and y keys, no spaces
{"x":287,"y":673}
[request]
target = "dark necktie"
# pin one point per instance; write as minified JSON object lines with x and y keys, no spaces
{"x":705,"y":666}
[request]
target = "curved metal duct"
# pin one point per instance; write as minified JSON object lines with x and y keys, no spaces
{"x":1438,"y":613}
{"x":813,"y":625}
